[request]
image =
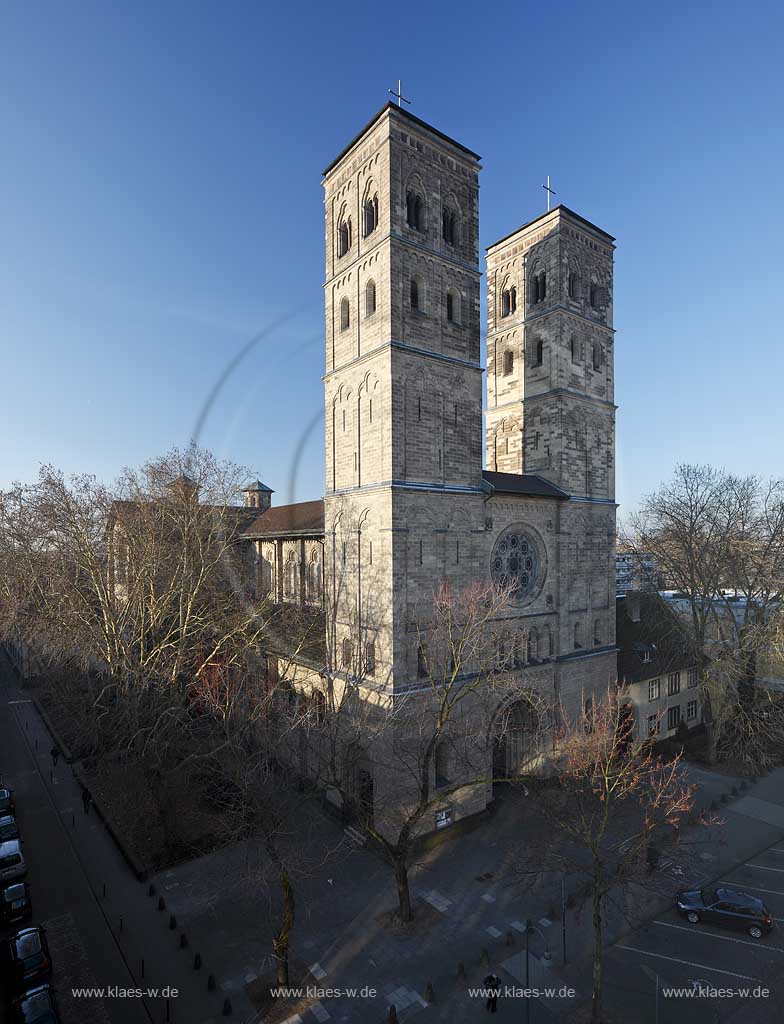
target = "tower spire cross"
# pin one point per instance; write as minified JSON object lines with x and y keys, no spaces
{"x":399,"y":96}
{"x":549,"y":191}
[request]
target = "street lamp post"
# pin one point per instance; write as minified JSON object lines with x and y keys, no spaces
{"x":531,"y":927}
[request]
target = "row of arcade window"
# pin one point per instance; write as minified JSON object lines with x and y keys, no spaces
{"x":415,"y":219}
{"x":347,"y":657}
{"x":416,"y":300}
{"x":596,"y":294}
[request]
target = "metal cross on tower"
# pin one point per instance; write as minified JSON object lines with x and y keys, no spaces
{"x":549,"y":191}
{"x":399,"y":95}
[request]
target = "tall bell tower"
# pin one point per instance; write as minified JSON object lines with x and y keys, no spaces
{"x":403,"y":383}
{"x":550,"y":386}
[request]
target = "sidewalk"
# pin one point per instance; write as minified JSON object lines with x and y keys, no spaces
{"x":149,"y":948}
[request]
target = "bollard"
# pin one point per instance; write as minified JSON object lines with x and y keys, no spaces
{"x":183,"y":941}
{"x":104,"y":890}
{"x":392,"y":1016}
{"x":509,"y":939}
{"x":172,"y":922}
{"x":161,"y":903}
{"x":73,"y":821}
{"x":211,"y":986}
{"x":121,"y":924}
{"x":226,"y":1007}
{"x":485,"y":956}
{"x":461,"y":971}
{"x":430,"y":996}
{"x":151,"y":890}
{"x":168,"y":1010}
{"x":197,"y":962}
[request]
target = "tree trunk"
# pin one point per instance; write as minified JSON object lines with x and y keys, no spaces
{"x":280,"y":941}
{"x":598,"y":958}
{"x":712,"y":735}
{"x":403,"y":891}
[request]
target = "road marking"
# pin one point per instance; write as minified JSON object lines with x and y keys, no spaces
{"x":688,"y":963}
{"x":756,"y":888}
{"x":713,"y":935}
{"x":764,"y":868}
{"x":493,"y":931}
{"x":27,"y":701}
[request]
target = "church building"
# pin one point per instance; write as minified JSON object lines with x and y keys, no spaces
{"x":408,"y":502}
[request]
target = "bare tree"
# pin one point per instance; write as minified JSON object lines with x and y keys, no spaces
{"x":603,"y":785}
{"x":429,"y":745}
{"x":719,"y":540}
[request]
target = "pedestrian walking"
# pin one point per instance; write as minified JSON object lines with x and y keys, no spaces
{"x":55,"y":755}
{"x":492,"y":988}
{"x":87,"y":799}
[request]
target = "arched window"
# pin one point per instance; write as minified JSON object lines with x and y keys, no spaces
{"x":538,"y":287}
{"x":574,"y":286}
{"x":344,"y":236}
{"x":314,"y":580}
{"x":370,"y":658}
{"x":533,"y":645}
{"x":538,"y":352}
{"x":441,"y":763}
{"x":417,"y":294}
{"x":453,"y":305}
{"x":421,"y":662}
{"x":597,"y":356}
{"x":575,"y":349}
{"x":508,"y":362}
{"x":370,"y":214}
{"x":290,"y":578}
{"x":449,"y":226}
{"x":578,"y":635}
{"x":508,"y":301}
{"x":594,"y":295}
{"x":370,"y":298}
{"x":414,"y":210}
{"x":347,"y":653}
{"x":345,"y":315}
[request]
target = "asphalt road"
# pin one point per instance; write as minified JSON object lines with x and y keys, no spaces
{"x":704,"y":959}
{"x":84,"y":951}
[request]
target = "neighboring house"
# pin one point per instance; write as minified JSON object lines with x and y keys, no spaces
{"x":657,"y":662}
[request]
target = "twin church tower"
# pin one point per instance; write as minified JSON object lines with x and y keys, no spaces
{"x":408,"y":503}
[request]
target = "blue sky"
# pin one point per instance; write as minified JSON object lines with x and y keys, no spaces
{"x":160,"y":203}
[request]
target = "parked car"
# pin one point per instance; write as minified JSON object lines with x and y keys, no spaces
{"x":15,"y":902}
{"x":726,"y":907}
{"x":26,"y":958}
{"x":8,"y":827}
{"x":37,"y":1006}
{"x":7,"y":805}
{"x":12,"y":862}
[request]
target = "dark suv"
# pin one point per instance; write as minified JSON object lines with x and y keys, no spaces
{"x":726,"y":907}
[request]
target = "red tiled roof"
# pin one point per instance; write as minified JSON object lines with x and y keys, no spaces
{"x":304,"y":517}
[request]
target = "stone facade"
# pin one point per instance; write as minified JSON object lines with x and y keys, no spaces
{"x":408,"y":504}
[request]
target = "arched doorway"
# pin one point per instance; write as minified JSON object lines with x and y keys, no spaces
{"x":517,"y":738}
